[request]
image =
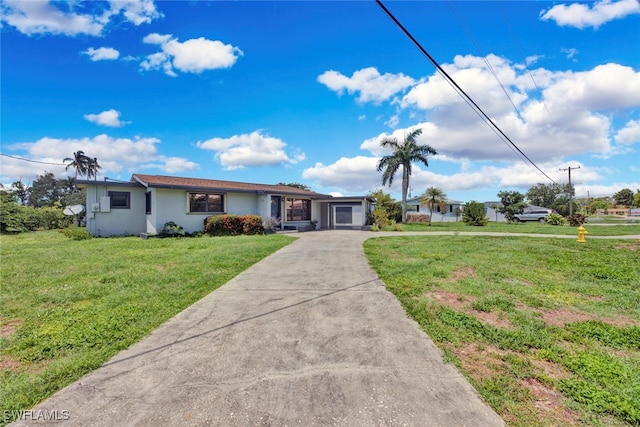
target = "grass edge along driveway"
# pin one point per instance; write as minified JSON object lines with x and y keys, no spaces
{"x":547,"y":330}
{"x":68,"y":306}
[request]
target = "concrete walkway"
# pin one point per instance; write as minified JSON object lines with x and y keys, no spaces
{"x":309,"y":336}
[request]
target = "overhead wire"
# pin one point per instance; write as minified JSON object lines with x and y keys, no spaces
{"x":467,"y":29}
{"x":462,"y":93}
{"x":32,"y":161}
{"x":524,"y":59}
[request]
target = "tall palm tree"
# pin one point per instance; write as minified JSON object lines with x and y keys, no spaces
{"x":79,"y":162}
{"x":404,"y":154}
{"x":93,"y":167}
{"x":83,"y":165}
{"x":434,"y":197}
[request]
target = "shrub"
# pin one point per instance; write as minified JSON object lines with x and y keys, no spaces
{"x":577,"y":219}
{"x":224,"y":225}
{"x":77,"y":233}
{"x":16,"y":218}
{"x":474,"y":214}
{"x":555,"y":219}
{"x":252,"y":224}
{"x":380,"y":218}
{"x":171,"y":229}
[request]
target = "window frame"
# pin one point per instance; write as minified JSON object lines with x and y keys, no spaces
{"x":127,"y":199}
{"x":209,"y":207}
{"x":292,"y":213}
{"x":147,"y":202}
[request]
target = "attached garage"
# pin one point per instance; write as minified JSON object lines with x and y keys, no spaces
{"x":345,"y":212}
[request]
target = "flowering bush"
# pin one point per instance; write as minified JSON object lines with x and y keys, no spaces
{"x":233,"y":225}
{"x":252,"y":224}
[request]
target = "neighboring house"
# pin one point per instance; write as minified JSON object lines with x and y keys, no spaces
{"x":452,"y":211}
{"x":147,"y":202}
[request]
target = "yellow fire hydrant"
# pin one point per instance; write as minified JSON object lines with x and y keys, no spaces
{"x":582,"y":234}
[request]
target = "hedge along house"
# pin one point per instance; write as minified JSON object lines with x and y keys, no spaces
{"x":147,"y":202}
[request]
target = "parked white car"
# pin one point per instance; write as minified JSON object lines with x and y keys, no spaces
{"x":539,"y":215}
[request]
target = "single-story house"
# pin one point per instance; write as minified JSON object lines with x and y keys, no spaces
{"x":452,"y":211}
{"x":146,"y":203}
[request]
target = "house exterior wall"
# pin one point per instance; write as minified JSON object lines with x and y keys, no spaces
{"x":105,"y":221}
{"x":174,"y":206}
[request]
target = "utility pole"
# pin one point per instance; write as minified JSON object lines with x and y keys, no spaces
{"x":570,"y":188}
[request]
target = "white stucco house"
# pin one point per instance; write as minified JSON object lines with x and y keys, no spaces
{"x":146,"y":203}
{"x":452,"y":211}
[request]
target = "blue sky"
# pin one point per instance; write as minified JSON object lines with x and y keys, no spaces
{"x":287,"y":91}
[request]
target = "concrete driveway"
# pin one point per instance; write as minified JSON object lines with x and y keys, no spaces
{"x":308,"y":336}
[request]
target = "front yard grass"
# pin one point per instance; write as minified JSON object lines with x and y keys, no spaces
{"x":547,"y":330}
{"x":530,"y":227}
{"x":68,"y":306}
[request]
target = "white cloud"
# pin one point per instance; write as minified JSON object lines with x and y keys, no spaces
{"x":102,"y":53}
{"x":581,"y":16}
{"x":563,"y":115}
{"x":354,"y":174}
{"x":570,"y":52}
{"x":178,"y":164}
{"x":372,"y":86}
{"x":115,"y":155}
{"x":136,"y":11}
{"x":191,"y":56}
{"x":254,"y":149}
{"x":109,"y":118}
{"x":45,"y":17}
{"x":630,"y":134}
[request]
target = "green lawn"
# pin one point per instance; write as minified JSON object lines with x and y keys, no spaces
{"x":547,"y":330}
{"x":531,"y":227}
{"x":68,"y":306}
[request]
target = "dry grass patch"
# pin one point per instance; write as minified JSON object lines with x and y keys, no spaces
{"x":463,"y":303}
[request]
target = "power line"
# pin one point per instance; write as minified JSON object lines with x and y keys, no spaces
{"x":460,"y":91}
{"x":524,"y":59}
{"x":32,"y":161}
{"x":467,"y":29}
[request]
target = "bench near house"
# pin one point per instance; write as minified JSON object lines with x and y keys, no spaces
{"x":147,"y":202}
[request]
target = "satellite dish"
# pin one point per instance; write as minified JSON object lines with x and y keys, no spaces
{"x":73,"y":210}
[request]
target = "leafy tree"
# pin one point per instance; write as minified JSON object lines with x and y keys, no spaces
{"x":295,"y":185}
{"x":434,"y":197}
{"x":387,"y":205}
{"x":561,"y":205}
{"x":404,"y":154}
{"x":20,"y":191}
{"x":511,"y":203}
{"x":474,"y":214}
{"x":636,"y":200}
{"x":546,"y":195}
{"x":45,"y":191}
{"x":624,"y":197}
{"x":597,"y":204}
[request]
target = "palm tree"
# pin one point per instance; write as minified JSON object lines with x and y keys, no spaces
{"x":403,"y":155}
{"x":83,"y":164}
{"x":433,"y":197}
{"x":93,"y":167}
{"x":79,"y":162}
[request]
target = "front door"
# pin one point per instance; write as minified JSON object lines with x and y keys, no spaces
{"x":276,"y":207}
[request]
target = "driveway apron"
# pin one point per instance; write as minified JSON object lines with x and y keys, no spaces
{"x":307,"y":336}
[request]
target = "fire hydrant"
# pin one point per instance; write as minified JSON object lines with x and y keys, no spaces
{"x":582,"y":234}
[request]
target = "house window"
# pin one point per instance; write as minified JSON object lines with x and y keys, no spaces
{"x":298,"y":209}
{"x":147,"y":202}
{"x":202,"y":202}
{"x":120,"y":199}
